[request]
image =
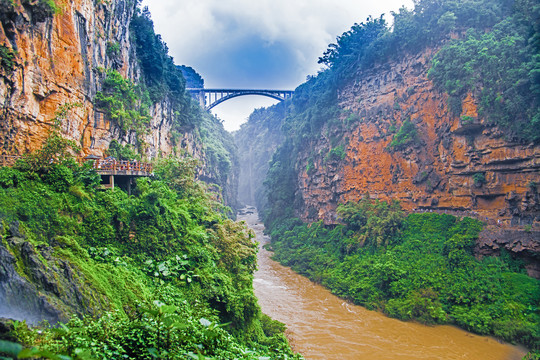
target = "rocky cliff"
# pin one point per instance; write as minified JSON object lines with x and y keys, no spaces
{"x":58,"y":60}
{"x":58,"y":53}
{"x":36,"y":284}
{"x":459,"y":165}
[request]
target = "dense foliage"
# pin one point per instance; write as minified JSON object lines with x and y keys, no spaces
{"x":168,"y":274}
{"x":501,"y":68}
{"x":124,"y":102}
{"x":420,"y":267}
{"x":122,"y":152}
{"x":7,"y":60}
{"x":407,"y":134}
{"x":193,"y":79}
{"x":219,"y":147}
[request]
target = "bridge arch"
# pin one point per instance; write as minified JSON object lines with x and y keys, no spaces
{"x":209,"y":98}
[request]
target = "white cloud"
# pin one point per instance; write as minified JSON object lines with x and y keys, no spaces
{"x":202,"y":33}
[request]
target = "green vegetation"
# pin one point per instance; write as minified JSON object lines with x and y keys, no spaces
{"x":166,"y":273}
{"x":310,"y":167}
{"x":193,"y":79}
{"x":219,"y":148}
{"x":124,"y":102}
{"x":501,"y":68}
{"x":41,"y":10}
{"x":418,"y":267}
{"x":122,"y":152}
{"x":406,"y":135}
{"x":479,"y":179}
{"x":113,"y":50}
{"x":337,"y":153}
{"x":7,"y":60}
{"x":356,"y":47}
{"x":467,"y":120}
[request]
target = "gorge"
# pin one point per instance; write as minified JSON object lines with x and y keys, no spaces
{"x":403,"y":177}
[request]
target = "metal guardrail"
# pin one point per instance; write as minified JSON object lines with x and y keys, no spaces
{"x":102,"y":166}
{"x":122,"y":166}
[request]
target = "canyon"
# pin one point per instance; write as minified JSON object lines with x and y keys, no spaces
{"x":460,"y":165}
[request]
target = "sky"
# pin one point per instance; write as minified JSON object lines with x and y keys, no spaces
{"x":256,"y":44}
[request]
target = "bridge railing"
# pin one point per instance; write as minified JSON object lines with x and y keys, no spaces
{"x":209,"y":98}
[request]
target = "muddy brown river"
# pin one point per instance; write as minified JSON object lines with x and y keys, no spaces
{"x":323,"y":326}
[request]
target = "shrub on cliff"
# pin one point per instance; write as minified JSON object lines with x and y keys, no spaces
{"x":501,"y":69}
{"x":406,"y":135}
{"x":124,"y":102}
{"x":7,"y":60}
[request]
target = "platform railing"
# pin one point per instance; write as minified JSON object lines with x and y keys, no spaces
{"x":100,"y":165}
{"x":109,"y":165}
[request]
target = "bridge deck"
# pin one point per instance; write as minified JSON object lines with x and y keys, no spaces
{"x":208,"y":98}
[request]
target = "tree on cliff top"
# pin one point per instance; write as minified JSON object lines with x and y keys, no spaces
{"x":161,"y":76}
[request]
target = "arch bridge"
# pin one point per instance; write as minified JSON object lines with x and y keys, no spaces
{"x":209,"y":98}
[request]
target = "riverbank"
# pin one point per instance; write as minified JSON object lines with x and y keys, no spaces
{"x":323,"y":326}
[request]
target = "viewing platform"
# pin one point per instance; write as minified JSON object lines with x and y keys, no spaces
{"x":121,"y":167}
{"x":111,"y":170}
{"x":120,"y":172}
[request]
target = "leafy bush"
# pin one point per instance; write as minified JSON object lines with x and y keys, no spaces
{"x":113,"y":49}
{"x":356,"y":47}
{"x":479,"y":179}
{"x":376,"y":223}
{"x":406,"y":135}
{"x":337,"y":153}
{"x":7,"y":60}
{"x":499,"y":67}
{"x":41,"y":10}
{"x":122,"y":152}
{"x":124,"y":102}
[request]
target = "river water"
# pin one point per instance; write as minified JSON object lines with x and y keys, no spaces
{"x":323,"y":326}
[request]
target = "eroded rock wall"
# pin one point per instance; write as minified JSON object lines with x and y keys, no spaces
{"x":458,"y":164}
{"x":61,"y":59}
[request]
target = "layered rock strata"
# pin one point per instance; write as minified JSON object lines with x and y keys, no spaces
{"x":61,"y":59}
{"x":459,"y":165}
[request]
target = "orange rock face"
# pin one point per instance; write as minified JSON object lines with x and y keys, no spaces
{"x":60,"y":60}
{"x":457,"y":164}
